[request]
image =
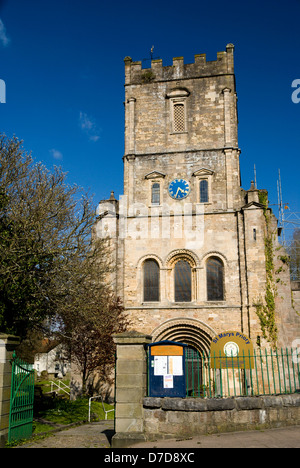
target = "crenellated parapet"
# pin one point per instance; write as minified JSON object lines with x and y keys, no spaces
{"x":135,"y":74}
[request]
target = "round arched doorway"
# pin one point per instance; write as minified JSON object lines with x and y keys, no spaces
{"x":198,"y":336}
{"x":190,"y":331}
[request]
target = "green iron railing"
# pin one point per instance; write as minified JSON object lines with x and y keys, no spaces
{"x":265,"y":372}
{"x":22,"y":398}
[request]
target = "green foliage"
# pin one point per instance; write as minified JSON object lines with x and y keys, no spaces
{"x":58,"y":412}
{"x":45,"y":235}
{"x":36,"y":211}
{"x":265,"y":308}
{"x":293,"y":303}
{"x":51,"y":270}
{"x":263,"y":198}
{"x":62,"y":411}
{"x":148,"y":76}
{"x":285,"y":259}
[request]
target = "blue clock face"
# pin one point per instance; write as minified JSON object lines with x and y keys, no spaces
{"x":179,"y":189}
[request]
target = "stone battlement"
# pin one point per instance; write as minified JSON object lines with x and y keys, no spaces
{"x":135,"y":74}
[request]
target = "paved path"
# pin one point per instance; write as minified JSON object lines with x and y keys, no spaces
{"x":288,"y":437}
{"x":94,"y":435}
{"x":98,"y":435}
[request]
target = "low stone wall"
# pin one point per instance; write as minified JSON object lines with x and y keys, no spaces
{"x":170,"y":417}
{"x":139,"y":418}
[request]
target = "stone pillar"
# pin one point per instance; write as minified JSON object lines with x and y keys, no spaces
{"x":131,"y":126}
{"x":131,"y":387}
{"x":8,"y":344}
{"x":227,"y":116}
{"x":229,"y":177}
{"x":230,"y":60}
{"x":130,"y":162}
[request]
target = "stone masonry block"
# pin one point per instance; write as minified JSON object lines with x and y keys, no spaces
{"x":131,"y":353}
{"x":131,"y":381}
{"x":129,"y":410}
{"x":124,"y":395}
{"x":131,"y":367}
{"x":249,"y":403}
{"x":152,"y":402}
{"x":129,"y":425}
{"x":220,"y":405}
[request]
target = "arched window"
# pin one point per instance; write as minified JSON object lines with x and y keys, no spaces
{"x":151,"y":281}
{"x":203,"y":191}
{"x":183,"y":281}
{"x":215,"y":279}
{"x":155,"y":195}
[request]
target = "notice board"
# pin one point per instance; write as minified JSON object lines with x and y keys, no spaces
{"x":166,"y":369}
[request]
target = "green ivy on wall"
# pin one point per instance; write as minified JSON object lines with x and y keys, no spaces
{"x":265,"y":309}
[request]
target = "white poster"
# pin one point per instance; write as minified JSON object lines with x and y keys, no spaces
{"x":168,"y":381}
{"x":160,"y":365}
{"x":175,"y":365}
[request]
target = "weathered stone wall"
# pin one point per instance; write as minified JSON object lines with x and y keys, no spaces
{"x":224,"y":235}
{"x":296,"y":296}
{"x":149,"y":88}
{"x":210,"y":139}
{"x":231,"y":225}
{"x":181,"y":165}
{"x":170,"y":417}
{"x":139,"y":417}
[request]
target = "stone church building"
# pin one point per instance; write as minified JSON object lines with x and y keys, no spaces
{"x":195,"y":253}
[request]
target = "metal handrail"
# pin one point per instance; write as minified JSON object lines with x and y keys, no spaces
{"x":60,"y":388}
{"x":105,"y":411}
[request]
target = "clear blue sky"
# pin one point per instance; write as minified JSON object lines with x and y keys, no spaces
{"x":62,"y":62}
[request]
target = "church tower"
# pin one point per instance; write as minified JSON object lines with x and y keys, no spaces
{"x":187,"y":241}
{"x":181,"y":123}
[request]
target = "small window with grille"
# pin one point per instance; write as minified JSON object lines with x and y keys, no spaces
{"x":179,"y":116}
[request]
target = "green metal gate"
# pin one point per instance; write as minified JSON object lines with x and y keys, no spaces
{"x":21,"y":401}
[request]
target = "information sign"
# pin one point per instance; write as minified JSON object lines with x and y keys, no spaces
{"x":167,"y":369}
{"x":231,"y":349}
